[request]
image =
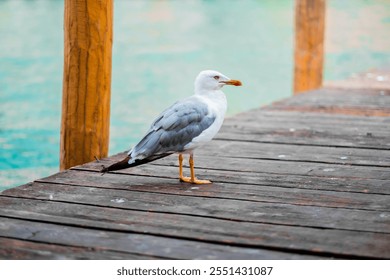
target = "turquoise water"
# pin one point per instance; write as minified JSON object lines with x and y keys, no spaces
{"x":159,"y":47}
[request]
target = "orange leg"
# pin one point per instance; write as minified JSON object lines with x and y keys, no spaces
{"x":181,"y":167}
{"x":192,"y":179}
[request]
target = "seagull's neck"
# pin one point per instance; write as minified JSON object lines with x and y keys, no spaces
{"x":214,"y":98}
{"x":208,"y":92}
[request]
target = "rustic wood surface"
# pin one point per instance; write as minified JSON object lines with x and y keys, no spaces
{"x":294,"y":180}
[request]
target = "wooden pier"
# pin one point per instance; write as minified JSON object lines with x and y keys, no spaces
{"x":305,"y":178}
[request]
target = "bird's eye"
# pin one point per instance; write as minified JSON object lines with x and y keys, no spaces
{"x":216,"y":77}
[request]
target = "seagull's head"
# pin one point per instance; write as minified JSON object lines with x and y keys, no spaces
{"x":213,"y":80}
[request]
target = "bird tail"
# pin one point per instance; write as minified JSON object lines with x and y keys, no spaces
{"x":124,"y":163}
{"x":117,"y":165}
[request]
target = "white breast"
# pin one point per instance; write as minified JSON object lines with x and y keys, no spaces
{"x":217,"y":105}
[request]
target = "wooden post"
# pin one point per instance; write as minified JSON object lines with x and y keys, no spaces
{"x":86,"y":81}
{"x":309,"y":44}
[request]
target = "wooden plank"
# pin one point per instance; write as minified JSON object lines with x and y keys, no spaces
{"x":371,"y":79}
{"x":288,"y":152}
{"x":226,"y":209}
{"x":267,"y":116}
{"x":376,"y":100}
{"x":277,"y":167}
{"x":337,"y":126}
{"x":298,"y":182}
{"x":14,"y":249}
{"x":87,"y":81}
{"x":261,"y":178}
{"x":354,"y":111}
{"x":244,"y":192}
{"x":337,"y":101}
{"x":301,"y":240}
{"x":309,"y":44}
{"x":303,"y":136}
{"x":308,"y":129}
{"x":131,"y":244}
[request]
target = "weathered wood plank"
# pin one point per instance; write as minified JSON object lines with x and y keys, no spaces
{"x":354,"y":110}
{"x":245,"y":192}
{"x":233,"y":233}
{"x":286,"y":167}
{"x":124,"y":241}
{"x":256,"y":212}
{"x":272,"y":116}
{"x":303,"y":137}
{"x":355,"y":185}
{"x":335,"y":135}
{"x":268,"y":125}
{"x":372,"y":79}
{"x":251,"y":165}
{"x":26,"y":250}
{"x":357,"y":99}
{"x":328,"y":124}
{"x":318,"y":154}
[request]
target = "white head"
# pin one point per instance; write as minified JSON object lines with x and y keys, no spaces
{"x":209,"y":80}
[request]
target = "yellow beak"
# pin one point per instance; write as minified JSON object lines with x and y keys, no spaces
{"x":233,"y":83}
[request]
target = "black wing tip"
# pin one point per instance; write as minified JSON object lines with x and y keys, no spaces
{"x":116,"y":166}
{"x":125,"y":163}
{"x":103,"y":170}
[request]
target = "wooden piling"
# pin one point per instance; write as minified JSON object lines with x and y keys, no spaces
{"x":309,"y":44}
{"x":86,"y":81}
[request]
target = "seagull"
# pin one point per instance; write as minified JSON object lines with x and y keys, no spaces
{"x":184,"y":126}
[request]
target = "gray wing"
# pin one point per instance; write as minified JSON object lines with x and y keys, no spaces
{"x":172,"y":130}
